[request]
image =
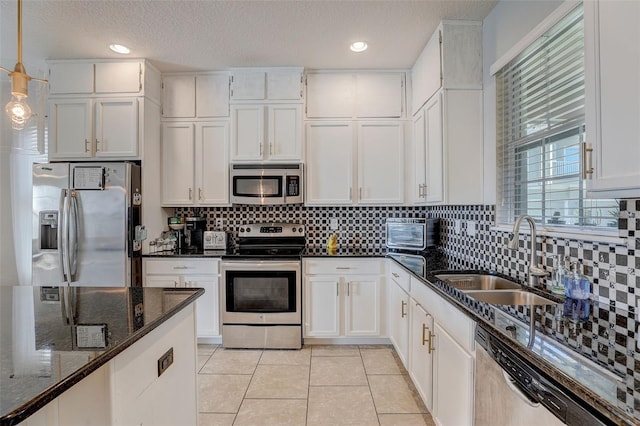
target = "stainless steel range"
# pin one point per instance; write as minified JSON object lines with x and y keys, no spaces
{"x":261,"y":288}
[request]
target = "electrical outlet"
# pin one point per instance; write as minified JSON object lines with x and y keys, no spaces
{"x":457,"y":226}
{"x":219,"y":223}
{"x":333,"y":224}
{"x":471,"y":228}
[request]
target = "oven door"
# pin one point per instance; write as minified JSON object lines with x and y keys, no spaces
{"x":261,"y":292}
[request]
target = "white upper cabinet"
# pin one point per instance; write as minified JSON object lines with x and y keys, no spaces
{"x":612,"y":70}
{"x":381,"y":162}
{"x":329,"y":163}
{"x":193,"y":96}
{"x":268,"y":84}
{"x":266,"y":132}
{"x":103,"y":78}
{"x":98,"y":109}
{"x":355,"y":95}
{"x":354,"y":163}
{"x":195,"y":164}
{"x":452,"y":59}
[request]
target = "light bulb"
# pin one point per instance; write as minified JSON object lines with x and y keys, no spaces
{"x":358,"y":46}
{"x":18,"y":111}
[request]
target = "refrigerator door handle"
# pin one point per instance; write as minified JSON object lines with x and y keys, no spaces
{"x":63,"y":305}
{"x":73,"y":235}
{"x":62,"y":235}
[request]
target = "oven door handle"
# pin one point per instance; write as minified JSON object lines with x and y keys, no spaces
{"x":273,"y":265}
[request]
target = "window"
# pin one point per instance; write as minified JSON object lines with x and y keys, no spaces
{"x":540,"y":131}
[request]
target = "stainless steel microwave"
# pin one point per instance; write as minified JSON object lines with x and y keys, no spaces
{"x":266,"y":184}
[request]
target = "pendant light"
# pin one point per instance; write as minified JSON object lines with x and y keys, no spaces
{"x":17,"y":109}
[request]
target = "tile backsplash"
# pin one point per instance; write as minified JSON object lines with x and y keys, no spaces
{"x":468,"y":239}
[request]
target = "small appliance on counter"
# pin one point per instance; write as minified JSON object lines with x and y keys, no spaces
{"x":216,"y":240}
{"x":407,"y":238}
{"x":194,"y":233}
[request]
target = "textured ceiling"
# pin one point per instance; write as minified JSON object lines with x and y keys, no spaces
{"x":202,"y":35}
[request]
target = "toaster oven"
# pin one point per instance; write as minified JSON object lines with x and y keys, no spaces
{"x":411,"y":233}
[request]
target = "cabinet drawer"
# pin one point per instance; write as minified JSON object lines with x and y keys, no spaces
{"x":399,"y":275}
{"x":343,"y":266}
{"x":182,"y":267}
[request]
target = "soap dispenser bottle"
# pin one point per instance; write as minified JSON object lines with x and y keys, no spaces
{"x":558,"y":276}
{"x":577,"y":285}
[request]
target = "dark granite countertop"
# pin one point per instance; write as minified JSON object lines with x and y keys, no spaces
{"x":41,"y":355}
{"x":605,"y":379}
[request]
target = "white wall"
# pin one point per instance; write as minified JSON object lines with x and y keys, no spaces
{"x":505,"y":26}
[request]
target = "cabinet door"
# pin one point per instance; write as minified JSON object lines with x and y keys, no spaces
{"x":207,"y":311}
{"x":178,"y":96}
{"x":330,"y":96}
{"x":362,"y":306}
{"x":164,"y":281}
{"x":284,"y":85}
{"x":247,"y":132}
{"x":177,"y":164}
{"x":212,"y":163}
{"x":379,"y":95}
{"x":70,"y":133}
{"x":248,"y":85}
{"x":329,"y":164}
{"x":398,"y":314}
{"x":435,"y":154}
{"x":118,"y":77}
{"x":426,"y":75}
{"x":212,"y":98}
{"x":421,"y":357}
{"x":380,"y":163}
{"x":71,"y":78}
{"x":284,"y":132}
{"x":321,"y":306}
{"x":116,"y":127}
{"x":417,"y":191}
{"x":613,"y":97}
{"x":453,"y":381}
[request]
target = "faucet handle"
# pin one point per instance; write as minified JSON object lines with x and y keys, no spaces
{"x":537,"y":272}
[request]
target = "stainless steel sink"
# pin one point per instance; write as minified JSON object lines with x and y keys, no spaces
{"x":510,"y":297}
{"x":469,"y":282}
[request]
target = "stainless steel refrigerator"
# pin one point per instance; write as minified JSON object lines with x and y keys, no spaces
{"x":87,"y":228}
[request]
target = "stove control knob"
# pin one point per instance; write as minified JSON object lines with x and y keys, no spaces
{"x":301,"y":229}
{"x":293,"y":229}
{"x":248,"y":229}
{"x":241,"y":229}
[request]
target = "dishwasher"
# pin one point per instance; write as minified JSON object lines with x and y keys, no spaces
{"x":510,"y":391}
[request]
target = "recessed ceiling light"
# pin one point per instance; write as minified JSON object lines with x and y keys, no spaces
{"x":359,"y":46}
{"x":118,"y":48}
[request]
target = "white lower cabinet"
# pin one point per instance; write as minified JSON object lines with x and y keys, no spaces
{"x":421,"y":352}
{"x":341,"y":301}
{"x":453,"y":380}
{"x":398,"y":312}
{"x":435,"y":342}
{"x":128,"y":390}
{"x":203,"y":273}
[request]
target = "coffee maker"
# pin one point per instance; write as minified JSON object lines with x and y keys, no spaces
{"x":194,"y":233}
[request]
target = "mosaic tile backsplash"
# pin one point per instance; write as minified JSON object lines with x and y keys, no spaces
{"x":609,"y":337}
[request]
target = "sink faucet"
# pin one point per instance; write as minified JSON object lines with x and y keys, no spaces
{"x":533,"y":271}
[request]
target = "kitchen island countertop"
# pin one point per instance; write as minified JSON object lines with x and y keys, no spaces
{"x":82,"y":328}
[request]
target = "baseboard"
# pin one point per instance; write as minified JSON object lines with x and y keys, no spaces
{"x":346,"y":341}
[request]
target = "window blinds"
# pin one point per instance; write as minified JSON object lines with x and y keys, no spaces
{"x":540,"y":126}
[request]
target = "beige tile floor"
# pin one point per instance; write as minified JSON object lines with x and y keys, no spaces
{"x":317,"y":385}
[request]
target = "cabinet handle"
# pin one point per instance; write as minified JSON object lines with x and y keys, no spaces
{"x":587,"y":166}
{"x":98,"y":145}
{"x":348,"y":288}
{"x":190,"y":194}
{"x":430,"y":348}
{"x":260,"y":148}
{"x":424,"y":334}
{"x":360,"y":193}
{"x":350,"y":195}
{"x":175,"y":284}
{"x":395,"y":275}
{"x":270,"y":148}
{"x":200,"y":194}
{"x":87,"y":145}
{"x":337,"y":289}
{"x":182,"y":267}
{"x":343,"y":267}
{"x":402,"y":311}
